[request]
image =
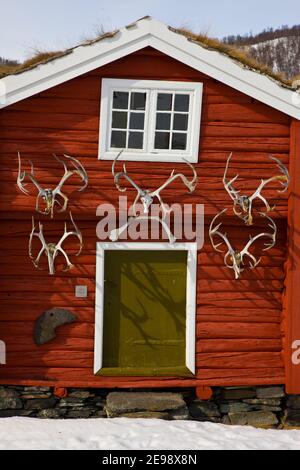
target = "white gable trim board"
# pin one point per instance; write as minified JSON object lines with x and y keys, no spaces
{"x":143,"y":33}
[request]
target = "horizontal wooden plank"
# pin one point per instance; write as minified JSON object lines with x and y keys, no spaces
{"x":51,"y":284}
{"x":30,"y":311}
{"x":207,"y":330}
{"x":84,"y":378}
{"x":75,"y":330}
{"x":44,"y":104}
{"x":263,"y":286}
{"x":239,"y":300}
{"x":84,"y":359}
{"x":11,"y":266}
{"x":74,"y":106}
{"x":236,"y":360}
{"x":244,"y":375}
{"x":222,"y":315}
{"x":219,"y":272}
{"x":238,"y":345}
{"x":60,"y":343}
{"x":242,"y":129}
{"x":67,"y":284}
{"x":152,"y":183}
{"x":88,"y":143}
{"x":243,"y":113}
{"x":21,"y":206}
{"x":51,"y":358}
{"x":242,"y":162}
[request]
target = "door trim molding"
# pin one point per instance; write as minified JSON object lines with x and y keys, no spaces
{"x":191,"y":283}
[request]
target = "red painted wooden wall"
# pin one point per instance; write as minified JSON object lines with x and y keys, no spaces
{"x":240,"y":333}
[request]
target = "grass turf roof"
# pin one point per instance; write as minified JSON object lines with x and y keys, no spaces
{"x":236,"y":54}
{"x":233,"y":53}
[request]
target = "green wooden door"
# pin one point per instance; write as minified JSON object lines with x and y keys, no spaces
{"x":145,"y":313}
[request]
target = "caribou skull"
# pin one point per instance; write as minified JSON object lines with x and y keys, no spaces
{"x":52,"y":250}
{"x":234,"y":259}
{"x":50,"y":196}
{"x":243,"y":204}
{"x":147,"y":197}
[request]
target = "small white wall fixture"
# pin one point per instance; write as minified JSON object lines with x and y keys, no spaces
{"x":191,"y":249}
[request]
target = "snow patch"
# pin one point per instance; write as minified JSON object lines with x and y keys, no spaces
{"x":138,"y":434}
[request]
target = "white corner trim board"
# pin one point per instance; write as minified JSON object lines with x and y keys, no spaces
{"x":191,"y":249}
{"x":143,"y":33}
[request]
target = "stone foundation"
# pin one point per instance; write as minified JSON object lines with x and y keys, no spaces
{"x":266,"y":407}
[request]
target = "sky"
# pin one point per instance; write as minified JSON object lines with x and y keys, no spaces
{"x":30,"y":25}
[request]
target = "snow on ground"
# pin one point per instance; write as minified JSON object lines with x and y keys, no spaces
{"x":150,"y":434}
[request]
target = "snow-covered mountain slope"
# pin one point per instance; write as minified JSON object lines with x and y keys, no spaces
{"x":279,"y":49}
{"x":282,"y":54}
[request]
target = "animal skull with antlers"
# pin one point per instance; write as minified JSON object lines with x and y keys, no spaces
{"x":243,"y":204}
{"x":234,"y":259}
{"x":50,"y":196}
{"x":52,"y":250}
{"x":148,"y":197}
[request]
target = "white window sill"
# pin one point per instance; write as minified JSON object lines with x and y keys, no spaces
{"x":151,"y":157}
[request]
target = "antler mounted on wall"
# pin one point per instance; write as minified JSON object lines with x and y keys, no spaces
{"x":147,"y":197}
{"x":52,"y":250}
{"x":243,"y":204}
{"x":50,"y":197}
{"x":234,"y":259}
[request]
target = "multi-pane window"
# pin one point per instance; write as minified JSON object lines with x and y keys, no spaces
{"x":150,"y":120}
{"x":172,"y":121}
{"x":128,"y":120}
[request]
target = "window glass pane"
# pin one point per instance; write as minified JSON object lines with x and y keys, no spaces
{"x":179,"y":141}
{"x":137,"y":121}
{"x":135,"y":140}
{"x":180,"y":122}
{"x":118,"y":139}
{"x":164,"y":102}
{"x":119,"y":120}
{"x":162,"y":140}
{"x":182,"y":103}
{"x":138,"y":101}
{"x":163,"y":121}
{"x":120,"y":100}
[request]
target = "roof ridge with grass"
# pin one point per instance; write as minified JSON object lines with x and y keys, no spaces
{"x":236,"y":54}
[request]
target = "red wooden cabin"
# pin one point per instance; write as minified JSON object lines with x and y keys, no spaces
{"x":247,"y":330}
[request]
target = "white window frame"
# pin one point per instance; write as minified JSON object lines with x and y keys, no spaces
{"x":151,"y":87}
{"x":191,"y":283}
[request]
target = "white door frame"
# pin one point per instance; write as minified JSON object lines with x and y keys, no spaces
{"x":191,"y":283}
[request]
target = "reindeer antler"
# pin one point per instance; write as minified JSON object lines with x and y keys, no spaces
{"x":243,"y":204}
{"x":233,"y":258}
{"x":124,"y":174}
{"x":191,"y":185}
{"x":49,"y":196}
{"x":22,"y":175}
{"x":52,"y":250}
{"x":147,"y":197}
{"x":268,"y":246}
